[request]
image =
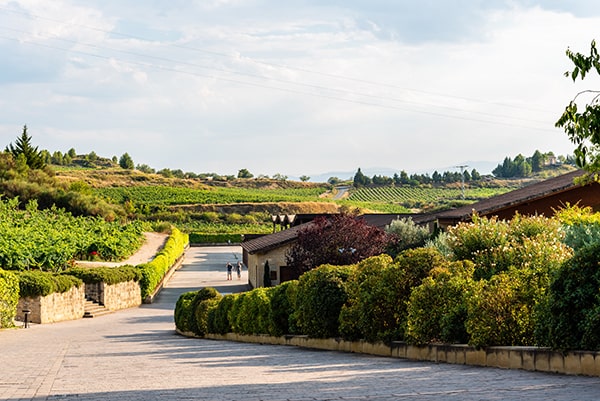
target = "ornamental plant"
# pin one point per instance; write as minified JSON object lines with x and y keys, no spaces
{"x":9,"y":298}
{"x":321,"y":295}
{"x":437,"y":309}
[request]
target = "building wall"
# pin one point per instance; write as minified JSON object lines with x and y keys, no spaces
{"x":256,"y":265}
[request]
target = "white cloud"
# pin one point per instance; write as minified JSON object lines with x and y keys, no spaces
{"x":273,"y":87}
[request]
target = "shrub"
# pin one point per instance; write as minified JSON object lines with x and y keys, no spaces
{"x":437,"y":310}
{"x":107,"y":275}
{"x":199,"y":238}
{"x":569,"y":316}
{"x":379,"y":291}
{"x":153,"y":272}
{"x":253,"y":313}
{"x":202,"y":312}
{"x":499,"y":314}
{"x":9,"y":297}
{"x":37,"y":283}
{"x":370,"y":311}
{"x":198,"y":323}
{"x":218,"y":318}
{"x":406,"y":235}
{"x":495,"y":246}
{"x":321,"y":295}
{"x":282,"y":308}
{"x":183,"y":311}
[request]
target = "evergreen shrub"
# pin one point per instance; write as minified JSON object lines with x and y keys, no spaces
{"x":437,"y":310}
{"x":9,"y":298}
{"x":218,"y":318}
{"x":252,"y":314}
{"x":183,"y":313}
{"x":153,"y":272}
{"x":107,"y":275}
{"x":321,"y":295}
{"x":282,"y":308}
{"x":198,"y":323}
{"x":34,"y":283}
{"x":570,"y":319}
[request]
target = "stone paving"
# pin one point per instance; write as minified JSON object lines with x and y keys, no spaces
{"x":135,"y":355}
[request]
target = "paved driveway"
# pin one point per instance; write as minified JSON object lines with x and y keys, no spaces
{"x":135,"y":355}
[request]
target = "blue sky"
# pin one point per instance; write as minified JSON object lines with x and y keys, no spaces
{"x":300,"y":87}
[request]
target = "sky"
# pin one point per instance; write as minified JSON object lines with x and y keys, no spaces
{"x":295,"y":87}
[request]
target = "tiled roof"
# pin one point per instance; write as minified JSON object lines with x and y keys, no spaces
{"x":534,"y":191}
{"x":271,"y":241}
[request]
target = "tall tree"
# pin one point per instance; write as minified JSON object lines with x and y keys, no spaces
{"x":33,"y":158}
{"x":583,"y":127}
{"x":126,"y":162}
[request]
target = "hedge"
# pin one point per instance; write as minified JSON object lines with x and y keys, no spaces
{"x":9,"y":298}
{"x":108,"y":275}
{"x":321,"y":295}
{"x":35,"y":283}
{"x":183,"y":311}
{"x":201,"y":238}
{"x":153,"y":272}
{"x":218,"y":318}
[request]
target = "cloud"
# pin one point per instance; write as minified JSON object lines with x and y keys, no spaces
{"x":294,"y":87}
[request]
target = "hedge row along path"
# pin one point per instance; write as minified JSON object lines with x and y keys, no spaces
{"x":135,"y":354}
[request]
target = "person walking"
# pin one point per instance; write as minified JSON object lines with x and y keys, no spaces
{"x":229,"y":271}
{"x":238,"y":269}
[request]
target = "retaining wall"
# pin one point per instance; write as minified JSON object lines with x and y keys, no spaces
{"x":527,"y":358}
{"x":55,"y":307}
{"x":116,"y":296}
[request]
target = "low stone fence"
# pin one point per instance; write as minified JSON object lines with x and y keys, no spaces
{"x":527,"y":358}
{"x":55,"y":307}
{"x":117,"y":296}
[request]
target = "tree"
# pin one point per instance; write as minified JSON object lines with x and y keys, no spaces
{"x":304,"y":178}
{"x":72,"y":153}
{"x":583,"y":127}
{"x":244,"y":173}
{"x":126,"y":162}
{"x":537,"y":161}
{"x":342,"y":239}
{"x":360,"y":180}
{"x":267,"y":275}
{"x":33,"y":157}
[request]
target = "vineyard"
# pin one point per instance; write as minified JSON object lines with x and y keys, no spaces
{"x":161,"y":195}
{"x":51,"y":239}
{"x":419,"y":197}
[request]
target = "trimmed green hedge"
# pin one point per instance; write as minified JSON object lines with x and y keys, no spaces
{"x":201,"y":238}
{"x":193,"y":308}
{"x":9,"y":298}
{"x":183,"y":311}
{"x":154,"y":271}
{"x":35,"y":283}
{"x":107,"y":275}
{"x":321,"y":294}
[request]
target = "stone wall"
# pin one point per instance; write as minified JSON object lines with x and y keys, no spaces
{"x":55,"y":307}
{"x":122,"y":295}
{"x":115,"y":296}
{"x":527,"y":358}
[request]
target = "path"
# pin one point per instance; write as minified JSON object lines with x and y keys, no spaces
{"x":135,"y":355}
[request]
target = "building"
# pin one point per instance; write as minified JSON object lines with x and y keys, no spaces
{"x":542,"y":198}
